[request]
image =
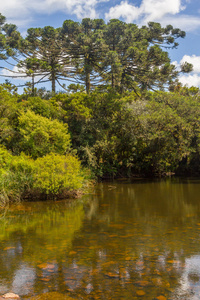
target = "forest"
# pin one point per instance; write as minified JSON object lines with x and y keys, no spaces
{"x":120,"y":110}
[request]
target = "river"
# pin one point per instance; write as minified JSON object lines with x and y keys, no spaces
{"x":124,"y":240}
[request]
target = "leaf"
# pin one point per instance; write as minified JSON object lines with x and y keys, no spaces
{"x":173,"y":261}
{"x":112,"y":275}
{"x":140,"y":293}
{"x":9,"y":248}
{"x":72,"y":252}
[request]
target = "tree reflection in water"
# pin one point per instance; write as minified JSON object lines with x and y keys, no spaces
{"x":135,"y":240}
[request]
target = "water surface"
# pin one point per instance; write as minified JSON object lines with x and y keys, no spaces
{"x":138,"y":240}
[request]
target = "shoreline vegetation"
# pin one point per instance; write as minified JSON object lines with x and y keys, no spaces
{"x":125,"y":113}
{"x":53,"y":176}
{"x":53,"y":148}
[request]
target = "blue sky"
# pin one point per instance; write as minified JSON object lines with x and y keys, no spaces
{"x":184,"y":14}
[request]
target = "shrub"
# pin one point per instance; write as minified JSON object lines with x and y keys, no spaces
{"x":16,"y":177}
{"x":52,"y":175}
{"x":5,"y":158}
{"x":40,"y":136}
{"x":55,"y":174}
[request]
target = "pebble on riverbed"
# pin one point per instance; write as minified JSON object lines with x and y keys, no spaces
{"x":9,"y":296}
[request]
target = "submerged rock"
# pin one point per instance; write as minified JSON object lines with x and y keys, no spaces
{"x":10,"y":296}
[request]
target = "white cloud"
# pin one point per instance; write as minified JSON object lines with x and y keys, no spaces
{"x":156,"y":9}
{"x":125,"y":10}
{"x":162,"y":11}
{"x":190,"y":80}
{"x":20,"y":12}
{"x":149,"y":10}
{"x":184,"y":22}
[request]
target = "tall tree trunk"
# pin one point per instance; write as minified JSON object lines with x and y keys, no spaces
{"x":122,"y":83}
{"x":87,"y":82}
{"x":113,"y":77}
{"x":33,"y":85}
{"x":113,"y":80}
{"x":53,"y":81}
{"x":87,"y":76}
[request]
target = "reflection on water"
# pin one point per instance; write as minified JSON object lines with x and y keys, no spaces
{"x":127,"y":241}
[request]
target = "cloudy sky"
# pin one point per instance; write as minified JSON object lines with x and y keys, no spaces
{"x":184,"y":14}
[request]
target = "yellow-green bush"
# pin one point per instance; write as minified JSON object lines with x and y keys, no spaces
{"x":40,"y":135}
{"x":54,"y":174}
{"x":5,"y":158}
{"x":16,"y":177}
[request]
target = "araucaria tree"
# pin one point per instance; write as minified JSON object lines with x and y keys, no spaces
{"x":9,"y":39}
{"x":45,"y":55}
{"x":87,"y":49}
{"x":135,"y":57}
{"x":93,"y":53}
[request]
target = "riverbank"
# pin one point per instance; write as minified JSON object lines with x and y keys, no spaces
{"x":50,"y":148}
{"x":52,"y":176}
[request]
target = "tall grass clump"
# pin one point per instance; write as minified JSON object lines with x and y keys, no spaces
{"x":16,"y":176}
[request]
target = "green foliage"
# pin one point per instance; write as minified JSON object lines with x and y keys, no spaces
{"x":148,"y":135}
{"x":166,"y":139}
{"x":9,"y":38}
{"x":135,"y":57}
{"x":8,"y":119}
{"x":11,"y":88}
{"x":55,"y":174}
{"x":16,"y":177}
{"x":21,"y":177}
{"x":95,"y":127}
{"x":39,"y":135}
{"x":76,"y":105}
{"x":5,"y":158}
{"x":141,"y":132}
{"x":49,"y":109}
{"x":75,"y":88}
{"x":49,"y":64}
{"x":186,"y":105}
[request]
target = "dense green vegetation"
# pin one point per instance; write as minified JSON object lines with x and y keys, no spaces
{"x":118,"y":120}
{"x":36,"y":157}
{"x":113,"y":135}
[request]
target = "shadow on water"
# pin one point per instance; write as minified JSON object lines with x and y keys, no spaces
{"x":124,"y":241}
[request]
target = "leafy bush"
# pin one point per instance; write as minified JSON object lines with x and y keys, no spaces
{"x":40,"y":135}
{"x":54,"y":174}
{"x":16,"y":177}
{"x":21,"y":177}
{"x":5,"y":158}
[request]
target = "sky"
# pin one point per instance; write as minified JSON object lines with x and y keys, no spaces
{"x":184,"y":14}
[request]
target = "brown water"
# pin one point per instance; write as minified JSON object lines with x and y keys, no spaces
{"x":138,"y":240}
